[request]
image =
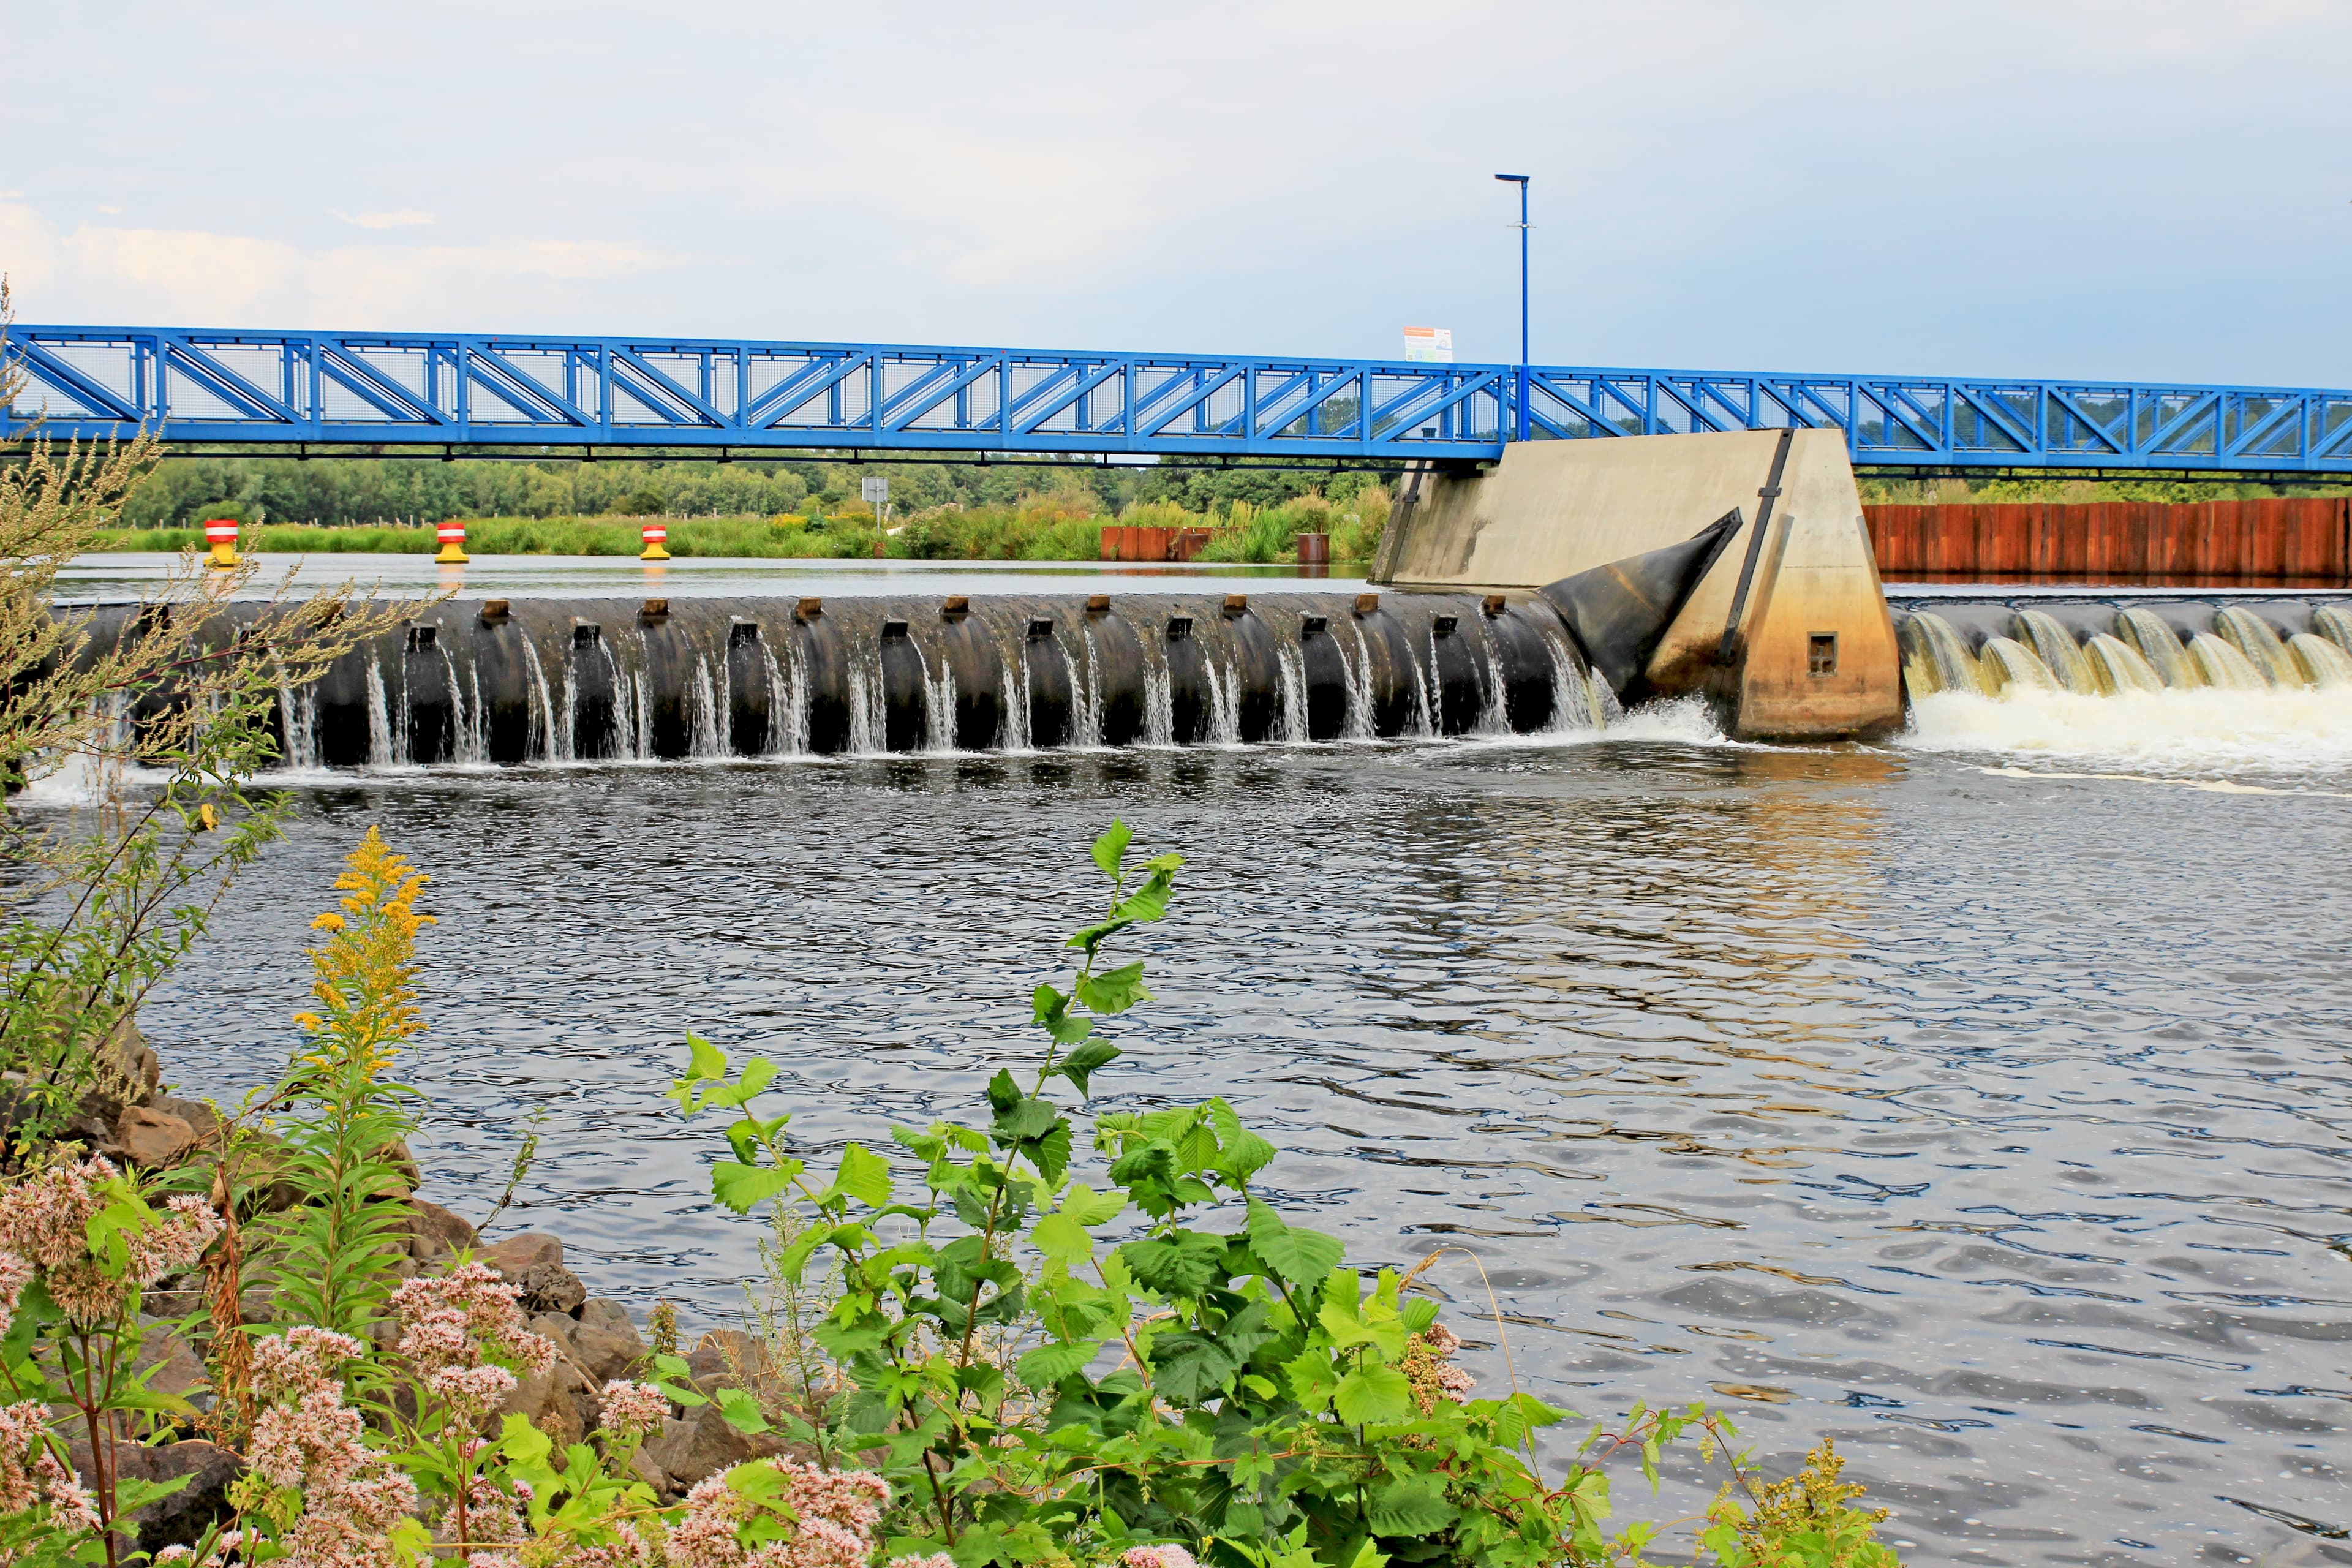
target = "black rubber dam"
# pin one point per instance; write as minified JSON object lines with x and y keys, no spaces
{"x":493,"y":681}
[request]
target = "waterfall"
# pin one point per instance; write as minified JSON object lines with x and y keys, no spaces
{"x":2055,"y":646}
{"x":2321,"y":662}
{"x":2118,"y":667}
{"x":2252,"y":636}
{"x":2006,"y":662}
{"x":1494,"y":714}
{"x":1293,"y":672}
{"x":550,"y":737}
{"x":1425,"y":722}
{"x":1012,"y":729}
{"x":1573,"y":703}
{"x":868,"y":727}
{"x":1158,"y":699}
{"x":2334,"y":624}
{"x":469,"y":742}
{"x":1935,"y":658}
{"x":637,"y":733}
{"x":299,"y":708}
{"x":1086,"y":719}
{"x":383,"y":749}
{"x":1360,"y":725}
{"x":1224,"y":703}
{"x":2146,"y":630}
{"x":710,"y":699}
{"x":788,"y":701}
{"x":939,"y":702}
{"x":567,"y":729}
{"x":2223,"y":665}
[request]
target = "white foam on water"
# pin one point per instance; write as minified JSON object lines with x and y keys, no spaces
{"x":2204,"y":732}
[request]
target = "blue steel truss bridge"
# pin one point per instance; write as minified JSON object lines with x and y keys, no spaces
{"x":454,"y":393}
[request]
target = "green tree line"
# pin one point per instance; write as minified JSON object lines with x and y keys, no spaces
{"x":184,"y":492}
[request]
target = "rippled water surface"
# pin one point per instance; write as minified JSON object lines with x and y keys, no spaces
{"x":1993,"y":1122}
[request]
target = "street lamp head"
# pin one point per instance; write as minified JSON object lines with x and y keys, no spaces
{"x":1521,"y":179}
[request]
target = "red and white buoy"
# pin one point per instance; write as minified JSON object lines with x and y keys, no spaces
{"x":220,"y":534}
{"x":657,"y":535}
{"x":452,"y":536}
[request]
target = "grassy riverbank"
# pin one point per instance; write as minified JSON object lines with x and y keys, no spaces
{"x":1063,"y":528}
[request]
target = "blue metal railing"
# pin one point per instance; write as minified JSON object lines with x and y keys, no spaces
{"x":337,"y":390}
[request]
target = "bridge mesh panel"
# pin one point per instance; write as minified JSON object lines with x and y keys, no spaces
{"x":1106,"y":406}
{"x":188,"y":398}
{"x":109,"y":364}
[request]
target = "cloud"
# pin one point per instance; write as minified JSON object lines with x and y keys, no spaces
{"x":406,"y":217}
{"x":194,"y":277}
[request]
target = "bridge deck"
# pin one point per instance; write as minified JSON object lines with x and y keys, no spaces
{"x":334,"y":391}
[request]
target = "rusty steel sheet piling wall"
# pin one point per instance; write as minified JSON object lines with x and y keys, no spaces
{"x":2287,"y":543}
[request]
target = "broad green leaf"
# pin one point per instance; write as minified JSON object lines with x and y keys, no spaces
{"x":1063,"y":1239}
{"x":1111,"y":847}
{"x":523,"y":1443}
{"x":1091,"y":937}
{"x":740,"y":1187}
{"x":1113,"y":992}
{"x":758,"y":1073}
{"x":741,"y":1411}
{"x":1083,"y":1063}
{"x":704,"y":1060}
{"x":1243,"y":1154}
{"x":1049,"y":1365}
{"x":1417,"y":1314}
{"x":864,"y":1175}
{"x":1413,"y":1505}
{"x":1373,"y":1394}
{"x":1024,"y":1118}
{"x":1190,"y":1368}
{"x":1183,"y":1263}
{"x":130,"y":1492}
{"x":1300,"y":1257}
{"x":1089,"y":1207}
{"x":1048,"y":1004}
{"x":1149,"y":901}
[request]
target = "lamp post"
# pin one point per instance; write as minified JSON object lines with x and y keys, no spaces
{"x":1521,"y":181}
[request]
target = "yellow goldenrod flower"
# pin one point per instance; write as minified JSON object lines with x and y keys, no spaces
{"x":364,"y":973}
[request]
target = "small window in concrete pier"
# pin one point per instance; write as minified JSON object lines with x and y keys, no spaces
{"x":1821,"y":654}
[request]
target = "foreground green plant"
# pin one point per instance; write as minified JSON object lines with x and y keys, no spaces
{"x":1036,"y":1392}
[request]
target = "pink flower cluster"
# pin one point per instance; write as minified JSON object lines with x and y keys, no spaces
{"x":635,"y":1409}
{"x":837,"y":1511}
{"x":1434,"y":1377}
{"x":1163,"y":1556}
{"x":30,"y":1473}
{"x":936,"y":1559}
{"x":310,"y":1438}
{"x":44,"y":1225}
{"x":452,"y":1326}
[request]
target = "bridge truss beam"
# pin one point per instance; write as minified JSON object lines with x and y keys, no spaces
{"x":338,"y":390}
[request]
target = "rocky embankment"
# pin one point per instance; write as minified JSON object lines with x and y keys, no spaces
{"x":141,"y":1126}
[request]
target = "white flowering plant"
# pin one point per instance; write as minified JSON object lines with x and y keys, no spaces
{"x":78,"y":1245}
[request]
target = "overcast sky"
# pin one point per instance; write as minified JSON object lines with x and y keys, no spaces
{"x":2149,"y":189}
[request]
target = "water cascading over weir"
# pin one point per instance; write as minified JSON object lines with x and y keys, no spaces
{"x":542,"y":679}
{"x":2118,"y":646}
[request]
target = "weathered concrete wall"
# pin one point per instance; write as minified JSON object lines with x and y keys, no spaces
{"x":1551,"y":509}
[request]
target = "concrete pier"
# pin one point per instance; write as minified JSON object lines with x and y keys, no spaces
{"x":1807,"y":652}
